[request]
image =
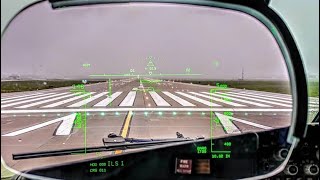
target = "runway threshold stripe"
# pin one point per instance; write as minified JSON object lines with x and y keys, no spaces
{"x":260,"y":97}
{"x":25,"y":98}
{"x":158,"y":99}
{"x":129,"y":99}
{"x":239,"y":100}
{"x":270,"y":94}
{"x":178,"y":99}
{"x":46,"y":101}
{"x":86,"y":101}
{"x":208,"y":103}
{"x":15,"y":97}
{"x":219,"y":100}
{"x":266,"y":95}
{"x":67,"y":100}
{"x":279,"y":98}
{"x":125,"y":129}
{"x":32,"y":100}
{"x":108,"y":100}
{"x":227,"y":125}
{"x":64,"y":110}
{"x":259,"y":100}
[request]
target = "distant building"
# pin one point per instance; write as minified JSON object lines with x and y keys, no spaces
{"x":14,"y":77}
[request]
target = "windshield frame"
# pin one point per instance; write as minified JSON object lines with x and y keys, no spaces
{"x":260,"y":11}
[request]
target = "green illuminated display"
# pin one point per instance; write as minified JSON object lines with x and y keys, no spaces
{"x":202,"y":149}
{"x":215,"y":122}
{"x":151,"y":70}
{"x":102,"y":166}
{"x":81,"y":118}
{"x":86,"y":65}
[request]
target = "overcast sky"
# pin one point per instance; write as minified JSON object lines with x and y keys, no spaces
{"x":116,"y":38}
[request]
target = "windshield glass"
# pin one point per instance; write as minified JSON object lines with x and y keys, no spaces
{"x":306,"y":34}
{"x":69,"y":77}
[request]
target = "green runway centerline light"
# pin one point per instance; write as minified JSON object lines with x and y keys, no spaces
{"x":174,"y":113}
{"x":160,"y":113}
{"x":117,"y":113}
{"x":102,"y":114}
{"x":203,"y":113}
{"x":189,"y":113}
{"x":146,"y":113}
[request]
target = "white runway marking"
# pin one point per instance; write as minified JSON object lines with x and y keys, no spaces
{"x":208,"y":103}
{"x":240,"y":100}
{"x":146,"y":109}
{"x":15,"y":97}
{"x":46,"y":101}
{"x":129,"y":99}
{"x":260,"y":97}
{"x":32,"y":100}
{"x":108,"y":100}
{"x":84,"y":102}
{"x":259,"y":100}
{"x":67,"y":100}
{"x":158,"y":99}
{"x":228,"y":126}
{"x":24,"y":98}
{"x":250,"y":123}
{"x":66,"y":126}
{"x":178,"y":99}
{"x":280,"y":95}
{"x":219,"y":100}
{"x":275,"y":97}
{"x":266,"y":95}
{"x":62,"y":130}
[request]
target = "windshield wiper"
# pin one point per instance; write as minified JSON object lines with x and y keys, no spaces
{"x":113,"y":142}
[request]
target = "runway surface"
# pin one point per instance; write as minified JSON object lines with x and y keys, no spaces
{"x":49,"y":119}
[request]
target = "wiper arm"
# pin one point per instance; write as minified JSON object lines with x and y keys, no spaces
{"x":113,"y":142}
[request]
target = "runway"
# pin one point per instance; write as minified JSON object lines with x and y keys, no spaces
{"x":46,"y":119}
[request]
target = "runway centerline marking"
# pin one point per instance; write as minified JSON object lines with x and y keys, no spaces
{"x":125,"y":130}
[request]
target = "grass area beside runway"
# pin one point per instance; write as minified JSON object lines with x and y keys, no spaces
{"x":19,"y":86}
{"x":313,"y":88}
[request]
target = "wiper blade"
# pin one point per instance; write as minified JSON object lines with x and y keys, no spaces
{"x":113,"y":142}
